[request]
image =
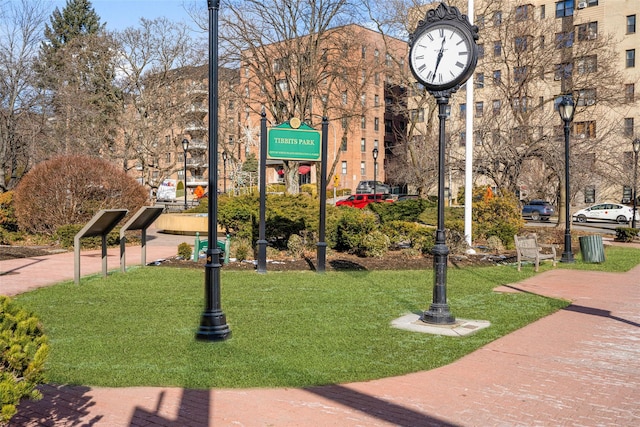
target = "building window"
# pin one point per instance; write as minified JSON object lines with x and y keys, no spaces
{"x":363,"y":145}
{"x":628,"y":127}
{"x":523,"y":12}
{"x":630,"y":58}
{"x":497,"y":18}
{"x":497,"y":76}
{"x":479,"y":80}
{"x":585,"y":129}
{"x":463,"y":139}
{"x":481,"y":50}
{"x":497,"y":104}
{"x":463,"y":110}
{"x":376,"y":79}
{"x":519,"y":74}
{"x":376,"y":100}
{"x":343,"y":169}
{"x":363,"y":168}
{"x":344,"y":98}
{"x":543,"y":12}
{"x":363,"y":122}
{"x":417,"y":115}
{"x":586,"y":97}
{"x":479,"y":109}
{"x":521,"y":104}
{"x":564,"y":8}
{"x":363,"y":99}
{"x":564,"y":40}
{"x":631,"y":24}
{"x":587,"y":64}
{"x":563,"y":71}
{"x":343,"y":144}
{"x":364,"y":52}
{"x":376,"y":124}
{"x":497,"y":48}
{"x":477,"y":138}
{"x":480,"y":21}
{"x":629,"y":92}
{"x":588,"y":31}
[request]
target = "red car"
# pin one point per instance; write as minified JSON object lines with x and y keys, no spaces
{"x":361,"y":200}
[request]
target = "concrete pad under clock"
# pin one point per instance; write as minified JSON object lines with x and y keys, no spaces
{"x":460,"y":328}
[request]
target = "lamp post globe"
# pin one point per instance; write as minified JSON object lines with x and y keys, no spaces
{"x":566,"y":109}
{"x":636,"y":150}
{"x":185,"y":147}
{"x":375,"y":169}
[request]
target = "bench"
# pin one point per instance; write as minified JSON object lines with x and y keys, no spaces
{"x":528,"y":248}
{"x":201,"y":245}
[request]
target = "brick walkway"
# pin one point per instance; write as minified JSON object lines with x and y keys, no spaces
{"x":577,"y":367}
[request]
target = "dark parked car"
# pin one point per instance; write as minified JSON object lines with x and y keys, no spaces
{"x":367,"y":187}
{"x":537,"y":210}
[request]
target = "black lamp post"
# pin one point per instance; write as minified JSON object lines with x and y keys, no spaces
{"x":636,"y":150}
{"x":375,"y":169}
{"x":224,"y":171}
{"x":213,"y":323}
{"x":566,"y":109}
{"x":185,"y":147}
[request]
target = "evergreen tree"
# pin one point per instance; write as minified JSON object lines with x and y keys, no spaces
{"x":76,"y":68}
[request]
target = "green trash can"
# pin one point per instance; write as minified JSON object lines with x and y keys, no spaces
{"x":592,"y":249}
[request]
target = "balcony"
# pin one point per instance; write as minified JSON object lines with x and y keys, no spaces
{"x":197,"y":144}
{"x":197,"y":163}
{"x":195,"y":127}
{"x":197,"y":109}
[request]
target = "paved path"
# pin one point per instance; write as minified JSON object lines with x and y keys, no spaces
{"x":577,"y":367}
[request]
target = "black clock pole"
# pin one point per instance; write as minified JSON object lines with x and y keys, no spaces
{"x":439,"y":310}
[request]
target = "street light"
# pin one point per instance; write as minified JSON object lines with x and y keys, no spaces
{"x":636,"y":150}
{"x":566,"y":109}
{"x":375,"y":169}
{"x":224,"y":170}
{"x":185,"y":147}
{"x":213,"y":323}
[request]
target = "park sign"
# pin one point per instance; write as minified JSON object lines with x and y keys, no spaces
{"x":293,"y":140}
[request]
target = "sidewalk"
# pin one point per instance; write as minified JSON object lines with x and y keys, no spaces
{"x":579,"y":366}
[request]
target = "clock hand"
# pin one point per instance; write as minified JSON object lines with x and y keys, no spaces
{"x":440,"y":54}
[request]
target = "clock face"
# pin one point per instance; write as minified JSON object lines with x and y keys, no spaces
{"x":441,"y":56}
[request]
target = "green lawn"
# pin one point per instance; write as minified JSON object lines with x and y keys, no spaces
{"x":288,"y":329}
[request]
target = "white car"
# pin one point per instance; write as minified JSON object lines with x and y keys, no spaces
{"x":605,"y":212}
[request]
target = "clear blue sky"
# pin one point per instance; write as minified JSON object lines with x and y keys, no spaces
{"x":120,"y":14}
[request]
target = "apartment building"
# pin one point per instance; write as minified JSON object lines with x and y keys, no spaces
{"x":348,"y":75}
{"x":531,"y":54}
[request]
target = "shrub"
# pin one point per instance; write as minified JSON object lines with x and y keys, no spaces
{"x":351,"y":227}
{"x":242,"y":250}
{"x":374,"y":244}
{"x":23,"y":351}
{"x":70,"y":190}
{"x":65,"y":236}
{"x":8,"y":220}
{"x":184,"y":250}
{"x":624,"y":234}
{"x":296,"y":246}
{"x":497,"y":216}
{"x":406,"y":210}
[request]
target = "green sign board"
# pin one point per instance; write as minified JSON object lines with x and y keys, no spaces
{"x":287,"y":143}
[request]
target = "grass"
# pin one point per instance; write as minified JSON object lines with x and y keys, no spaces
{"x":290,"y":329}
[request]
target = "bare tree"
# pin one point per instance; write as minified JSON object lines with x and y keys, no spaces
{"x":20,"y":122}
{"x":158,"y":72}
{"x":295,"y":64}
